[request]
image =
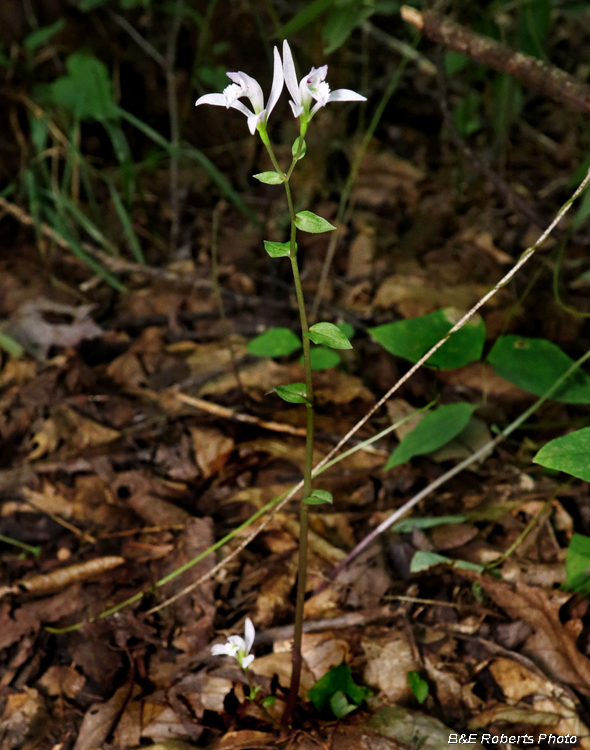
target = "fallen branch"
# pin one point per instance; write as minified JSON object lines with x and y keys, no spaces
{"x":533,"y":73}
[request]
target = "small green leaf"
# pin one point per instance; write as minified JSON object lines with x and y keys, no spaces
{"x":39,"y":37}
{"x":340,"y":705}
{"x":269,"y":178}
{"x":276,"y":342}
{"x":318,"y":497}
{"x":278,"y":249}
{"x":322,"y":358}
{"x":338,"y":679}
{"x":433,"y":431}
{"x":328,"y":334}
{"x":312,"y":223}
{"x":409,"y":524}
{"x":569,"y":453}
{"x":346,"y":329}
{"x":577,"y":565}
{"x":294,"y":393}
{"x":295,"y":146}
{"x":535,"y":364}
{"x":418,"y":686}
{"x":268,"y":701}
{"x":424,"y":559}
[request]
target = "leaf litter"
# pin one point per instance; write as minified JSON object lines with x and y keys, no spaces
{"x":120,"y":483}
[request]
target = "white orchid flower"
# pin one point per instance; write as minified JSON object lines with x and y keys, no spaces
{"x":237,"y":646}
{"x":245,"y":85}
{"x":312,"y":86}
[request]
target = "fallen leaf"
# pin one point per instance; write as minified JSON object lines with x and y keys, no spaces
{"x":62,"y":680}
{"x":389,"y":659}
{"x":212,"y":449}
{"x":550,"y":645}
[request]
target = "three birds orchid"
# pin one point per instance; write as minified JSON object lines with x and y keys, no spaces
{"x":245,"y":85}
{"x":238,"y":647}
{"x":311,"y":87}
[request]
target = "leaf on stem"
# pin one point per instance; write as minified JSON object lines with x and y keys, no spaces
{"x":307,"y":221}
{"x":276,"y":342}
{"x":278,"y":249}
{"x":328,"y":334}
{"x":269,"y":178}
{"x":295,"y":147}
{"x":318,"y":497}
{"x":294,"y":393}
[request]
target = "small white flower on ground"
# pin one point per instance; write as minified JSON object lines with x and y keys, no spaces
{"x":237,"y":646}
{"x":312,"y":87}
{"x":245,"y":85}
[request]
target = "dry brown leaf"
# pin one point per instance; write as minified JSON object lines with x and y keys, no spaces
{"x":22,"y":719}
{"x":62,"y":680}
{"x":389,"y":659}
{"x":360,"y":253}
{"x":99,"y":719}
{"x":165,"y":725}
{"x":212,"y":449}
{"x":49,"y":500}
{"x":515,"y":680}
{"x":551,"y":644}
{"x":70,"y":428}
{"x":280,"y":664}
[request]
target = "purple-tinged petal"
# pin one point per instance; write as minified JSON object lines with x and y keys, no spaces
{"x":346,"y":95}
{"x":218,"y":100}
{"x":278,"y":81}
{"x":290,"y":74}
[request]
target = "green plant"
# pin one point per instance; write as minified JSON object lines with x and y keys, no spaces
{"x":338,"y":691}
{"x":308,"y":96}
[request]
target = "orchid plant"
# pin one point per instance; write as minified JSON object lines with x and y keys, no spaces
{"x":308,"y":96}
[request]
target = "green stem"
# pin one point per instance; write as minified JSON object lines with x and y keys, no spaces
{"x":307,"y":473}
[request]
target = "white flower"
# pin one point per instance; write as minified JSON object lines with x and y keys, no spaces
{"x":245,"y":85}
{"x":237,"y":646}
{"x":312,"y":86}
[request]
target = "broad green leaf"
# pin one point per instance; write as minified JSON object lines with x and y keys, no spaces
{"x":269,"y":178}
{"x":577,"y":565}
{"x":294,"y":393}
{"x":295,"y":148}
{"x":570,"y":453}
{"x":312,"y":223}
{"x":39,"y":37}
{"x":418,"y":686}
{"x":412,"y":338}
{"x":535,"y":364}
{"x":276,"y":342}
{"x":322,"y":358}
{"x":433,"y":431}
{"x":340,"y":705}
{"x":341,"y":22}
{"x":318,"y":497}
{"x":346,"y":329}
{"x":278,"y":249}
{"x":337,"y":679}
{"x":86,"y":90}
{"x":328,"y":334}
{"x":409,"y":524}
